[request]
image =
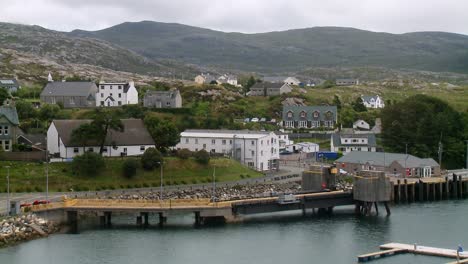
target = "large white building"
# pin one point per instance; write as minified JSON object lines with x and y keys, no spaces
{"x":116,"y":94}
{"x":374,"y":101}
{"x":346,"y":143}
{"x":255,"y":149}
{"x":132,"y":141}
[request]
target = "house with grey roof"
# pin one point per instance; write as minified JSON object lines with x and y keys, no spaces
{"x":282,"y":79}
{"x":163,"y":99}
{"x":70,"y":94}
{"x":347,"y":82}
{"x":373,"y":101}
{"x":361,"y":125}
{"x":132,"y":141}
{"x":205,"y":78}
{"x":269,"y":89}
{"x":394,"y":164}
{"x":345,"y":143}
{"x":11,"y":85}
{"x":309,"y":117}
{"x":9,"y":125}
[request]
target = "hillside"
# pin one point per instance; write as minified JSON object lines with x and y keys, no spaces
{"x":291,"y":50}
{"x":62,"y":49}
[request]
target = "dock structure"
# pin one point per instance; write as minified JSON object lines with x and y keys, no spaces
{"x":371,"y":188}
{"x":391,"y":249}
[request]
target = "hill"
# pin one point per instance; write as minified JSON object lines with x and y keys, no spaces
{"x":291,"y":50}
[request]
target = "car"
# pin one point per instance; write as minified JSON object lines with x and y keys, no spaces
{"x":247,"y":120}
{"x":25,"y":205}
{"x":255,"y":120}
{"x":263,"y":119}
{"x":37,"y":202}
{"x":273,"y":120}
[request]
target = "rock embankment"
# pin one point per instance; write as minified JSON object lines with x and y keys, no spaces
{"x":14,"y":230}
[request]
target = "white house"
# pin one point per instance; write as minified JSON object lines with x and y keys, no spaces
{"x":361,"y":125}
{"x":227,"y":78}
{"x":116,"y":94}
{"x":256,"y":149}
{"x":133,"y":141}
{"x":347,"y":143}
{"x":283,"y":139}
{"x":374,"y":101}
{"x":303,"y":147}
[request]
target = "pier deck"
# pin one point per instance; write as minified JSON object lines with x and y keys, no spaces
{"x":423,"y":250}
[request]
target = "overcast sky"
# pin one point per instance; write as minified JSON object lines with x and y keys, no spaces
{"x":249,"y":16}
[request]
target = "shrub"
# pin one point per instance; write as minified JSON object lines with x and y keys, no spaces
{"x":183,"y":182}
{"x":36,"y":189}
{"x":202,"y":157}
{"x":29,"y":189}
{"x":194,"y":181}
{"x":184,"y":154}
{"x":145,"y":185}
{"x":137,"y":186}
{"x":151,"y":159}
{"x":129,"y":168}
{"x":88,"y":164}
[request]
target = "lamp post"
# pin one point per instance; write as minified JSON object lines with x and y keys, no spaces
{"x":213,"y":196}
{"x":47,"y":172}
{"x":161,"y":180}
{"x":8,"y":189}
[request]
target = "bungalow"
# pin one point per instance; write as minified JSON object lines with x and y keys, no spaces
{"x":116,"y":94}
{"x":310,"y":117}
{"x":9,"y":125}
{"x":346,"y":143}
{"x":133,"y":141}
{"x":374,"y":101}
{"x":282,"y":79}
{"x":11,"y":85}
{"x":163,"y":99}
{"x":205,"y":79}
{"x":269,"y":89}
{"x":70,"y":94}
{"x":227,"y":78}
{"x":395,"y":164}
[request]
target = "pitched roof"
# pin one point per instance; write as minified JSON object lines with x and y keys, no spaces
{"x":371,"y":140}
{"x":171,"y":93}
{"x":275,"y":79}
{"x":223,"y":133}
{"x":268,"y":85}
{"x":9,"y":112}
{"x":296,"y":109}
{"x":135,"y":133}
{"x":382,"y":158}
{"x":69,"y":89}
{"x":8,"y":82}
{"x":367,"y":98}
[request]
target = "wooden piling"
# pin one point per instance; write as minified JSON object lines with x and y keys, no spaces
{"x":398,"y":191}
{"x":387,"y":208}
{"x":454,"y":186}
{"x":447,"y":188}
{"x":405,"y":190}
{"x":440,"y":190}
{"x":421,"y":191}
{"x":376,"y":208}
{"x":433,"y":187}
{"x":460,"y":187}
{"x":413,"y":193}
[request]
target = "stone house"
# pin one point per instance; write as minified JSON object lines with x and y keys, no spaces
{"x":163,"y":99}
{"x":70,"y":94}
{"x":269,"y":89}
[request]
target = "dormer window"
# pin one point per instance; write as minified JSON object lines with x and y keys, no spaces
{"x":290,"y":114}
{"x":303,"y":114}
{"x":316,"y":114}
{"x":329,"y":115}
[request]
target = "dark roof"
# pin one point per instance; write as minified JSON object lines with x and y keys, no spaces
{"x":268,"y":85}
{"x":321,"y":109}
{"x":371,"y":140}
{"x":9,"y":112}
{"x":69,"y":89}
{"x":125,"y":85}
{"x":9,"y":83}
{"x":135,"y":133}
{"x":34,"y":139}
{"x":381,"y":158}
{"x":275,"y":79}
{"x":171,"y":93}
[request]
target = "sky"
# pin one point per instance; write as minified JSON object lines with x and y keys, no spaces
{"x":248,"y":16}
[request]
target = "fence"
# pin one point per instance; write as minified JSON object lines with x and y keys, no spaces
{"x":25,"y":156}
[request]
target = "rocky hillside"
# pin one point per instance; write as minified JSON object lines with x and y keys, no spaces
{"x":291,"y":50}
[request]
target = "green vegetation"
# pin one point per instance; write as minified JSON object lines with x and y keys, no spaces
{"x":202,"y":157}
{"x":422,"y":122}
{"x":29,"y":176}
{"x":87,"y":164}
{"x":130,"y":167}
{"x":151,"y":159}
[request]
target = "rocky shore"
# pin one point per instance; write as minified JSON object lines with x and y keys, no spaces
{"x":14,"y":230}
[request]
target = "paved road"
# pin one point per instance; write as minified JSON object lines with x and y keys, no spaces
{"x":280,"y":176}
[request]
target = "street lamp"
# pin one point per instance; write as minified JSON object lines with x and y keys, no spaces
{"x":213,"y":196}
{"x":161,"y":179}
{"x":47,"y":172}
{"x":8,"y":189}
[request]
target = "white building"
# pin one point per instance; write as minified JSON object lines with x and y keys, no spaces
{"x":258,"y":150}
{"x":283,"y":139}
{"x":361,"y":125}
{"x":132,"y":141}
{"x":374,"y":101}
{"x":303,"y":147}
{"x":228,"y":78}
{"x":347,"y":143}
{"x":116,"y":94}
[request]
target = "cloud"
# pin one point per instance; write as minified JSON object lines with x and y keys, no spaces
{"x":396,"y":16}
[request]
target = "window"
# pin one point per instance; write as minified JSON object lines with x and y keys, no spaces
{"x":250,"y":164}
{"x":7,"y":145}
{"x":142,"y":148}
{"x":76,"y":150}
{"x":120,"y":102}
{"x":186,"y":141}
{"x":72,"y":100}
{"x":110,"y":94}
{"x":102,"y":95}
{"x":303,"y":114}
{"x":213,"y":142}
{"x":120,"y":95}
{"x":102,"y":103}
{"x":90,"y":150}
{"x":102,"y":87}
{"x":125,"y":150}
{"x":316,"y":114}
{"x":346,"y":141}
{"x":196,"y":141}
{"x":204,"y":146}
{"x":5,"y":130}
{"x":104,"y":150}
{"x":261,"y":142}
{"x":302,"y":124}
{"x":213,"y":150}
{"x":252,"y":143}
{"x":120,"y":87}
{"x":168,"y":103}
{"x":253,"y":153}
{"x":290,"y":114}
{"x":52,"y":100}
{"x":224,"y":142}
{"x":110,"y":88}
{"x":230,"y":142}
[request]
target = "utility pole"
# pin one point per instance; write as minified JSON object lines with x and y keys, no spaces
{"x":8,"y":190}
{"x":47,"y":172}
{"x":161,"y":174}
{"x":213,"y":196}
{"x":406,"y":157}
{"x":440,"y":153}
{"x":466,"y":167}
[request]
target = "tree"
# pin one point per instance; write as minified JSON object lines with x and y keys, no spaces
{"x":48,"y":112}
{"x":184,"y":154}
{"x":151,"y":159}
{"x":359,"y":106}
{"x":328,"y":84}
{"x":202,"y":157}
{"x":84,"y":135}
{"x":25,"y":110}
{"x":129,"y":168}
{"x":3,"y":95}
{"x":421,"y":122}
{"x":102,"y":123}
{"x":337,"y":102}
{"x":164,"y":133}
{"x":88,"y":164}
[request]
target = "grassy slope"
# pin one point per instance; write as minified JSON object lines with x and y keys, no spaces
{"x":30,"y":176}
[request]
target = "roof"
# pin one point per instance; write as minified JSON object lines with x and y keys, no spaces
{"x":212,"y":133}
{"x":346,"y":80}
{"x":296,"y":109}
{"x":69,"y":89}
{"x":8,"y":82}
{"x":382,"y":158}
{"x":34,"y":139}
{"x":269,"y":85}
{"x":135,"y":133}
{"x":367,"y":98}
{"x":171,"y":93}
{"x":275,"y":79}
{"x":9,"y":112}
{"x":371,"y":140}
{"x":125,"y":85}
{"x":305,"y":144}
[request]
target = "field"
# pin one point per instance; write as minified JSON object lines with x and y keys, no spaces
{"x":29,"y":177}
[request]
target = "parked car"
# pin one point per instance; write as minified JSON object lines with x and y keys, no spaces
{"x":247,"y":120}
{"x":273,"y":120}
{"x":25,"y":205}
{"x":263,"y":119}
{"x":37,"y":202}
{"x":255,"y":120}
